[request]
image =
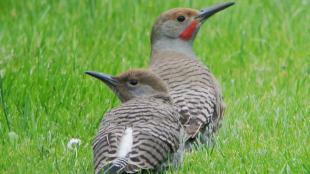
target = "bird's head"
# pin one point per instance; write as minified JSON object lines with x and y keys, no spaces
{"x":182,"y":23}
{"x":133,"y":83}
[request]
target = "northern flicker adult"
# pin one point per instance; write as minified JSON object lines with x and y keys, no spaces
{"x":191,"y":85}
{"x":143,"y":132}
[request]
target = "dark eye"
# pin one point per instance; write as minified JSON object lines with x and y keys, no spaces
{"x":133,"y":82}
{"x":181,"y":18}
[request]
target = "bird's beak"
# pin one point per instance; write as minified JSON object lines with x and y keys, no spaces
{"x":107,"y":79}
{"x":210,"y":11}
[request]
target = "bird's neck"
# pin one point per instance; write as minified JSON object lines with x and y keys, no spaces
{"x":177,"y":46}
{"x":161,"y":96}
{"x":164,"y":97}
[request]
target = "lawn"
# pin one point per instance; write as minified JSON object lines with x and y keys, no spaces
{"x":259,"y":50}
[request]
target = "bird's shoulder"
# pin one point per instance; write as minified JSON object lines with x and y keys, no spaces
{"x":156,"y":106}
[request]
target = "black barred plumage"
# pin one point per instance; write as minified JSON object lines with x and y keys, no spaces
{"x":116,"y":167}
{"x":155,"y":129}
{"x":194,"y":90}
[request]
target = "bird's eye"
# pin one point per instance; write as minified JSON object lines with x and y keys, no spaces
{"x":181,"y":18}
{"x":133,"y":82}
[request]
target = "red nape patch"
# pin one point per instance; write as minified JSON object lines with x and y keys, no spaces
{"x":188,"y":32}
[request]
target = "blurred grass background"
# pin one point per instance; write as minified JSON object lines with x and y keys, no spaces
{"x":258,"y":49}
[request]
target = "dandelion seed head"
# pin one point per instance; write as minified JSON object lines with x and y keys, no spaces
{"x":73,"y":143}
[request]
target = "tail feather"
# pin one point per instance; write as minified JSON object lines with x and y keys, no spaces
{"x":113,"y":169}
{"x":116,"y":167}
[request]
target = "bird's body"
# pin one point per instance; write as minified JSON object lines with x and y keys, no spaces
{"x":194,"y":90}
{"x":144,"y":133}
{"x":191,"y":85}
{"x":148,"y":126}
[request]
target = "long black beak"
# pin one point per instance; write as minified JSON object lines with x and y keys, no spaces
{"x":210,"y":11}
{"x":107,"y":79}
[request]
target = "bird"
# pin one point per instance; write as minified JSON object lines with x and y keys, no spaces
{"x":192,"y":86}
{"x":144,"y":132}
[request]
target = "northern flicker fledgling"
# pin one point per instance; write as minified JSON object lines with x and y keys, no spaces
{"x":141,"y":134}
{"x":191,"y":85}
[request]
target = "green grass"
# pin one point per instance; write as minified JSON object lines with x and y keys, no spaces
{"x":259,"y":50}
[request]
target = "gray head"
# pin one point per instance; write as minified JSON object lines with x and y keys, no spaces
{"x":133,"y":83}
{"x":182,"y":24}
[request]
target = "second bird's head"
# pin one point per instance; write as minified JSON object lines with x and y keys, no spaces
{"x":133,"y":83}
{"x":183,"y":23}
